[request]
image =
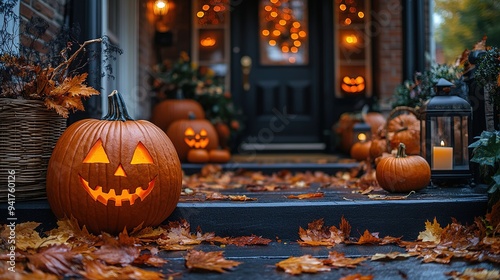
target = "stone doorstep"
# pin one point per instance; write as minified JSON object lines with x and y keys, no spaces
{"x":274,"y":216}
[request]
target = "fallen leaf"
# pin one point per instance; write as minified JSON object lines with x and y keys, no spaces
{"x":368,"y":238}
{"x":432,"y":232}
{"x":306,"y":196}
{"x":390,"y":256}
{"x":211,"y":261}
{"x":319,"y":235}
{"x":55,"y":259}
{"x":337,"y":259}
{"x":248,"y":240}
{"x":474,"y":273}
{"x":357,"y":276}
{"x":240,"y":198}
{"x":303,"y":264}
{"x":99,"y":271}
{"x":389,"y":197}
{"x":26,"y":236}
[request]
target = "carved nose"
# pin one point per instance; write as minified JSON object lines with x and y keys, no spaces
{"x":119,"y":171}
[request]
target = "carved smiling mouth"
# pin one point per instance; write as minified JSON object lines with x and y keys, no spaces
{"x":98,"y":195}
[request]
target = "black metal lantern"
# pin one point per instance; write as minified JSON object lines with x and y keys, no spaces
{"x":444,"y":134}
{"x":361,"y":132}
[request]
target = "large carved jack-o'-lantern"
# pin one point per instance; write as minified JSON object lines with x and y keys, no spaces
{"x":114,"y":173}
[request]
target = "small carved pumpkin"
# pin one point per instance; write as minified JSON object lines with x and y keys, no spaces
{"x":114,"y":173}
{"x":192,"y":134}
{"x":402,"y":173}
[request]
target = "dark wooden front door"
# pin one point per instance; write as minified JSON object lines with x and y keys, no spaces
{"x":281,"y":101}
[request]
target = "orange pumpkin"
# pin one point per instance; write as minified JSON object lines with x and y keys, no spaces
{"x":375,"y":120}
{"x":405,"y":128}
{"x":192,"y":134}
{"x":402,"y":173}
{"x":361,"y":150}
{"x":115,"y":173}
{"x":198,"y":156}
{"x":378,"y":147}
{"x":168,"y":111}
{"x":219,"y":156}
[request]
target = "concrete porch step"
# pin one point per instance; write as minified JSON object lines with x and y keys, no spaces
{"x":273,"y":215}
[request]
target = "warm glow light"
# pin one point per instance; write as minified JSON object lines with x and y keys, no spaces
{"x":297,"y":43}
{"x":342,"y":7}
{"x":205,"y":7}
{"x":296,"y":24}
{"x":302,"y":34}
{"x":291,"y":59}
{"x":362,"y":137}
{"x":361,"y":14}
{"x":265,"y":32}
{"x":200,"y":14}
{"x":208,"y":42}
{"x":346,"y":80}
{"x":294,"y":49}
{"x":442,"y":143}
{"x":217,"y":9}
{"x":268,"y":8}
{"x":273,"y":1}
{"x":347,"y":21}
{"x":359,"y":80}
{"x":294,"y":36}
{"x":282,"y":22}
{"x":160,"y":7}
{"x":272,"y":42}
{"x":352,"y":9}
{"x":351,"y":39}
{"x":274,"y":14}
{"x":276,"y":33}
{"x":285,"y":49}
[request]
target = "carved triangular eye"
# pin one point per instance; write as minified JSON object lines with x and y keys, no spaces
{"x":189,"y":132}
{"x":96,"y":154}
{"x":141,"y":155}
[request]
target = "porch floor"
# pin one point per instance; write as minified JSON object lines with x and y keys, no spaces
{"x":272,"y":215}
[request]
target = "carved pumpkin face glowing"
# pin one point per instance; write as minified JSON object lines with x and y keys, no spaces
{"x":98,"y":155}
{"x":196,"y":140}
{"x":353,"y":85}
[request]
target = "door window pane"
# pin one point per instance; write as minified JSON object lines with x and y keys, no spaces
{"x":284,"y":34}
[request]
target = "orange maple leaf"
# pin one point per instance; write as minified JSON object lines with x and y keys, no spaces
{"x":211,"y":261}
{"x":337,"y":259}
{"x":368,"y":238}
{"x":303,"y":264}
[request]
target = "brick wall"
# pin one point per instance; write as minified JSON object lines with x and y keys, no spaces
{"x":52,"y":11}
{"x":387,"y":49}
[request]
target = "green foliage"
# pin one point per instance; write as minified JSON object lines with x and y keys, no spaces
{"x":415,"y":93}
{"x":488,"y":74}
{"x":464,"y":23}
{"x":486,"y":153}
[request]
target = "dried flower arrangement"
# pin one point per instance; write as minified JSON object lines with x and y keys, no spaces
{"x":50,"y":73}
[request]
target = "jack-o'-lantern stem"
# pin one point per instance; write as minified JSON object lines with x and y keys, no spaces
{"x":117,"y":111}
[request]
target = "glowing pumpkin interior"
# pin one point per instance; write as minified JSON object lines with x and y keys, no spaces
{"x":196,"y":140}
{"x":97,"y":154}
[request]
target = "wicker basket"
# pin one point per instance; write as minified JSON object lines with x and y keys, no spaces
{"x":28,"y":134}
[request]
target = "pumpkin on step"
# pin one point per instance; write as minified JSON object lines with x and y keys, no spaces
{"x":405,"y":128}
{"x":192,"y":134}
{"x":361,"y":150}
{"x":403,"y":173}
{"x":115,"y":173}
{"x":170,"y":110}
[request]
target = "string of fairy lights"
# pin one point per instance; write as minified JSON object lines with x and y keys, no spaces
{"x":281,"y":28}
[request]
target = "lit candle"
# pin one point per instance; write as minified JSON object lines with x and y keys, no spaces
{"x":442,"y":157}
{"x":362,"y":137}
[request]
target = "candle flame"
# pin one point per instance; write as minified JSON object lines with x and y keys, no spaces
{"x":442,"y":143}
{"x":361,"y":137}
